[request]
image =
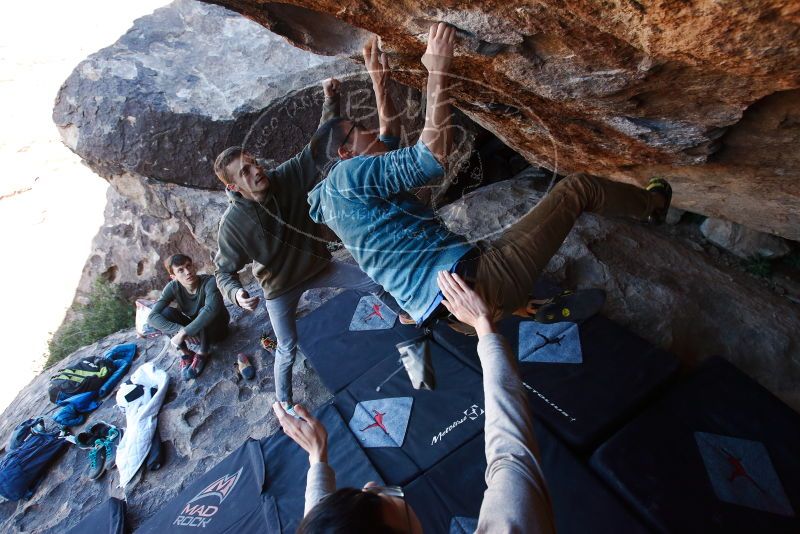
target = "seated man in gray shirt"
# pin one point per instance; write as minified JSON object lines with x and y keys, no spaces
{"x":200,"y":314}
{"x":516,"y":499}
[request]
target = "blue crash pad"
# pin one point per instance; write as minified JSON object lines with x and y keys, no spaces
{"x":719,"y":453}
{"x":340,"y":354}
{"x":465,"y":347}
{"x":590,"y":390}
{"x":226,"y":499}
{"x":108,"y":517}
{"x":439,"y":421}
{"x":448,"y":497}
{"x":287,"y":465}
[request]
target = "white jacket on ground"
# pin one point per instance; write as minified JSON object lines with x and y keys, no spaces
{"x":140,"y":397}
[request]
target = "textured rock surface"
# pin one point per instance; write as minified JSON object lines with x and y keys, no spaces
{"x":703,"y":91}
{"x":742,"y":241}
{"x":183,"y":84}
{"x":146,"y":222}
{"x":666,"y":291}
{"x":192,"y":79}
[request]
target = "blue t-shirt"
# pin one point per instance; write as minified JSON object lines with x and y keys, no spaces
{"x":396,"y":240}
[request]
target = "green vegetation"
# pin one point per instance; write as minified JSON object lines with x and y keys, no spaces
{"x":793,"y":260}
{"x":106,"y":313}
{"x":758,"y":266}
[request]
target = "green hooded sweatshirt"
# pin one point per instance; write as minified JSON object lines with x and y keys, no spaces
{"x":277,"y":235}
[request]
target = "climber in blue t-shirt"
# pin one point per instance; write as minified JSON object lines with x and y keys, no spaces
{"x":365,"y":199}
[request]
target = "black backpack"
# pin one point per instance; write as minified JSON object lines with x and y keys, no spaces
{"x":86,"y":375}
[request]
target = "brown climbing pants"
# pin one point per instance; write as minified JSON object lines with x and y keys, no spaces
{"x":508,"y":268}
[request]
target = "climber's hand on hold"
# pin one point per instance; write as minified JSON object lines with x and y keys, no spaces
{"x":376,"y":62}
{"x":330,"y":87}
{"x":439,"y":53}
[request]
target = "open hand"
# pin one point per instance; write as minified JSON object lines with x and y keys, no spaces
{"x":376,"y":62}
{"x":244,"y":300}
{"x":439,"y":54}
{"x":308,"y":432}
{"x":464,"y":303}
{"x":330,"y":87}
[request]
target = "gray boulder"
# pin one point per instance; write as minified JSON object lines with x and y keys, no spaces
{"x":183,"y":84}
{"x":742,"y":241}
{"x":145,"y":222}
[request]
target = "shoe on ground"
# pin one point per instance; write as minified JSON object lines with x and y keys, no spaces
{"x":111,"y":442}
{"x":97,"y":460}
{"x":103,"y":455}
{"x":572,"y":306}
{"x":186,"y":367}
{"x":100,"y":429}
{"x":87,"y":438}
{"x":246,"y":368}
{"x":197,"y":366}
{"x":288,"y":407}
{"x":267,"y":343}
{"x":659,"y":186}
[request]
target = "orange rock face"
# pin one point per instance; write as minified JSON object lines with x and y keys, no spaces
{"x":705,"y":92}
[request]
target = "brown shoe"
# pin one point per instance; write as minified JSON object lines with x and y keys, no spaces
{"x":246,"y":368}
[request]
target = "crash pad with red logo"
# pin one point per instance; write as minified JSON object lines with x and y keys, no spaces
{"x":448,"y":497}
{"x":720,"y":454}
{"x":584,"y":380}
{"x":287,"y":466}
{"x":227,"y":499}
{"x":348,"y":335}
{"x":436,"y":422}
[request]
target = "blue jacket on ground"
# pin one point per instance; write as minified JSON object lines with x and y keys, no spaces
{"x":122,"y":356}
{"x":74,"y":407}
{"x":396,"y":240}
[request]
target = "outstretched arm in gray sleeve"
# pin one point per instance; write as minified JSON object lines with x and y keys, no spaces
{"x":516,"y":499}
{"x":310,"y":434}
{"x":301,"y":170}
